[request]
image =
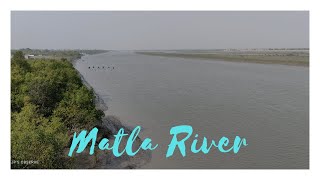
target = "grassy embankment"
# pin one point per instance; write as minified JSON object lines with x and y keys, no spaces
{"x":49,"y":102}
{"x":284,"y":58}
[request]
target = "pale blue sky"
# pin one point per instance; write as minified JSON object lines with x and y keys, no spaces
{"x":159,"y":30}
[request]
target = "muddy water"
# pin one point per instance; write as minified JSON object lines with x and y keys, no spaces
{"x":266,"y":104}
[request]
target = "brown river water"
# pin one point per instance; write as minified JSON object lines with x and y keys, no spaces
{"x":266,"y":104}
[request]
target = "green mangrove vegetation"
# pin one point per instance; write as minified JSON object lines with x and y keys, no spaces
{"x":49,"y":102}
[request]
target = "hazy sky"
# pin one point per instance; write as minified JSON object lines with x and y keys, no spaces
{"x":158,"y":30}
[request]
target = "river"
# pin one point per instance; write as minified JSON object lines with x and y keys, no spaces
{"x":266,"y":104}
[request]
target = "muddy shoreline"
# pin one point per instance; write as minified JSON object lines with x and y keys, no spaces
{"x":287,"y":58}
{"x":110,"y":126}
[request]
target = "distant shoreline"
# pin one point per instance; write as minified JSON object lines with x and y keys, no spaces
{"x":283,"y":58}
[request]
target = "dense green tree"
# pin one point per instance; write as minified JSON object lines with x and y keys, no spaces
{"x":39,"y":139}
{"x":77,"y":109}
{"x":19,"y":61}
{"x":48,"y":102}
{"x":19,"y":68}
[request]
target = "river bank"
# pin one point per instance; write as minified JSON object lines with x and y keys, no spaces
{"x":292,"y":57}
{"x":110,"y":126}
{"x":50,"y":101}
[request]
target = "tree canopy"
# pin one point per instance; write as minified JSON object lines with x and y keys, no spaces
{"x":48,"y":103}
